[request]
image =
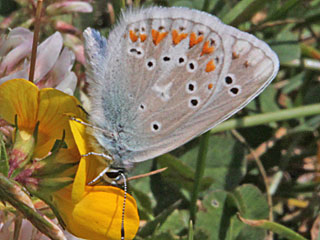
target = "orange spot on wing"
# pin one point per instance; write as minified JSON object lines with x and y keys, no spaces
{"x":176,"y":37}
{"x":194,"y":39}
{"x":235,"y":55}
{"x":210,"y":66}
{"x":154,"y":34}
{"x":143,"y":37}
{"x":157,"y":36}
{"x":206,"y":48}
{"x":210,"y":86}
{"x":133,"y":36}
{"x":161,"y":36}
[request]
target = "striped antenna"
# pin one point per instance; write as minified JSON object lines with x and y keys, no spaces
{"x":124,"y":204}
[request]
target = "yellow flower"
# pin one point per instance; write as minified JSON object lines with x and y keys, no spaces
{"x":98,"y":214}
{"x":99,"y":205}
{"x":91,"y":212}
{"x":46,"y":106}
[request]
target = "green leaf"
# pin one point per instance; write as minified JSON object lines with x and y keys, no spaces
{"x":142,"y":198}
{"x":243,"y":11}
{"x":180,"y":173}
{"x":250,"y":201}
{"x":217,"y":218}
{"x":226,"y":164}
{"x":151,"y":226}
{"x":294,"y":83}
{"x":4,"y":160}
{"x":287,"y":47}
{"x":268,"y":100}
{"x":176,"y":223}
{"x":283,"y":10}
{"x":213,"y":220}
{"x":182,"y":3}
{"x":274,"y":227}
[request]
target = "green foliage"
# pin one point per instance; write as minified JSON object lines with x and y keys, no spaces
{"x":231,"y":184}
{"x":4,"y":161}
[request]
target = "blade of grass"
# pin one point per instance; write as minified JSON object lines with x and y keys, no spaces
{"x":201,"y":164}
{"x":283,"y":10}
{"x":190,"y":232}
{"x":243,"y":11}
{"x":4,"y":160}
{"x":274,"y":227}
{"x":263,"y":118}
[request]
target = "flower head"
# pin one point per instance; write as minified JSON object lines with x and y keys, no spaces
{"x":53,"y":66}
{"x":45,"y":158}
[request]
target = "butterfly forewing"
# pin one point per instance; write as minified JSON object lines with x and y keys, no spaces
{"x":168,"y":75}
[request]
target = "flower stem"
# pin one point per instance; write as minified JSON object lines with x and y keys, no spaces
{"x":35,"y":41}
{"x":201,"y":164}
{"x":12,"y":193}
{"x":259,"y":119}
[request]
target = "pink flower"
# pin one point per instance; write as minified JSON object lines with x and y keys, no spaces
{"x":53,"y":65}
{"x":68,"y":7}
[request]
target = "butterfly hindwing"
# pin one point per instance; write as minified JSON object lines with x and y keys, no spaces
{"x":169,"y":74}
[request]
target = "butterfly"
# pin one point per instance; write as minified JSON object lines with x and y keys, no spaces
{"x":167,"y":75}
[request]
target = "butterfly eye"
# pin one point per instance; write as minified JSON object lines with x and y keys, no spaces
{"x":234,"y":91}
{"x":155,"y":126}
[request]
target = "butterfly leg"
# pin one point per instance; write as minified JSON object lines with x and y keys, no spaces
{"x":98,"y":154}
{"x":113,"y":175}
{"x":99,"y":176}
{"x":108,"y":134}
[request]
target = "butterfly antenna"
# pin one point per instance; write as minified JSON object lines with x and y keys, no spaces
{"x":124,"y":204}
{"x":83,"y":110}
{"x":108,"y":134}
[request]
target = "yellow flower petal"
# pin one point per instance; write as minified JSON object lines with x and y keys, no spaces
{"x":85,"y":142}
{"x":79,"y":182}
{"x":53,"y":106}
{"x":89,"y":166}
{"x":98,"y":215}
{"x":48,"y":106}
{"x":78,"y":131}
{"x":80,"y":136}
{"x":19,"y":97}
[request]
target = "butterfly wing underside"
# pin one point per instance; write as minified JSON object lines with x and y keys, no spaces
{"x":166,"y":75}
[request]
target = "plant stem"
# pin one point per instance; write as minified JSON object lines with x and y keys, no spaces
{"x":201,"y":164}
{"x":35,"y":41}
{"x":205,"y":5}
{"x":259,"y":119}
{"x":12,"y":193}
